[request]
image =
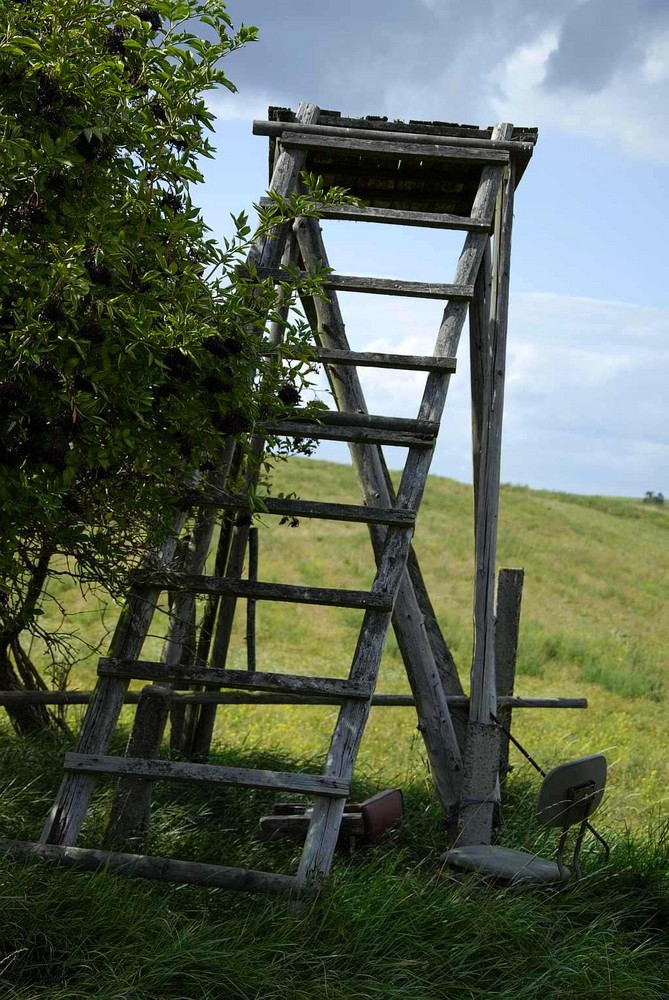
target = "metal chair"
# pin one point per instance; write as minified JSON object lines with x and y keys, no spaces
{"x":569,"y":794}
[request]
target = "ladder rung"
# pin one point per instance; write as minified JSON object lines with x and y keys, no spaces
{"x":215,"y":774}
{"x":339,"y":418}
{"x":396,"y":217}
{"x":378,"y":286}
{"x":304,"y":508}
{"x":150,"y":670}
{"x":401,"y":151}
{"x":361,"y":435}
{"x":328,"y":597}
{"x":371,"y":359}
{"x":148,"y":866}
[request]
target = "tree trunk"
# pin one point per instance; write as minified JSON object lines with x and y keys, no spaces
{"x":17,"y":673}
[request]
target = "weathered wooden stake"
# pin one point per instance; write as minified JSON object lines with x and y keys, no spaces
{"x":251,"y":604}
{"x":130,"y":816}
{"x":507,"y":625}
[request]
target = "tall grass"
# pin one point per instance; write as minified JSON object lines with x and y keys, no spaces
{"x":393,"y":925}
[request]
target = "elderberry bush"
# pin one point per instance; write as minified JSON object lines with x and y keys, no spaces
{"x":128,"y":336}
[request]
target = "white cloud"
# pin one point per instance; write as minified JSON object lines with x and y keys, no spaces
{"x":585,"y":407}
{"x":629,"y":111}
{"x":230,"y":107}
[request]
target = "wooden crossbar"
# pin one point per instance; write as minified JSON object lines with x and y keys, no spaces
{"x":214,"y":774}
{"x":158,"y":869}
{"x":395,"y":217}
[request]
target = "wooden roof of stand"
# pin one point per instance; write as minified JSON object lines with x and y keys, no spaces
{"x":408,"y":184}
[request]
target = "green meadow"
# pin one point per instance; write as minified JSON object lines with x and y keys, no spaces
{"x":593,"y":624}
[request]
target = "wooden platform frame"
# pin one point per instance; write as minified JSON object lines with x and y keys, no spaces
{"x":464,"y":746}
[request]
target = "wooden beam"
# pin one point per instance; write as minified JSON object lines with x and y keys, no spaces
{"x":395,"y":217}
{"x":291,"y":507}
{"x":242,"y":698}
{"x":147,"y":866}
{"x":269,"y":252}
{"x":382,"y":148}
{"x":130,"y":815}
{"x":71,"y":803}
{"x":481,"y":764}
{"x":380,"y":286}
{"x":243,"y":679}
{"x":214,"y":774}
{"x":277,"y":129}
{"x":372,"y":359}
{"x":507,"y":626}
{"x":372,"y":435}
{"x":260,"y":591}
{"x":327,"y":323}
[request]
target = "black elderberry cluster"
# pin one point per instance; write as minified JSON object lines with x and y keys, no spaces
{"x":172,"y":201}
{"x":158,"y":110}
{"x":92,"y":331}
{"x":95,"y":149}
{"x":289,"y":395}
{"x":235,"y":422}
{"x":56,"y":182}
{"x":13,"y":394}
{"x":115,"y":40}
{"x":72,"y":505}
{"x":178,"y":364}
{"x":184,"y":445}
{"x":82,"y":383}
{"x":45,"y":371}
{"x":218,"y":383}
{"x":100,"y":274}
{"x":31,"y":212}
{"x":53,"y":311}
{"x":223,"y":347}
{"x":152,"y":16}
{"x":49,"y":98}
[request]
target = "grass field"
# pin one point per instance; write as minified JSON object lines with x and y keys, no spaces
{"x":594,"y":623}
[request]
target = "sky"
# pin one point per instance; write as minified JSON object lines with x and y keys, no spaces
{"x":588,"y":344}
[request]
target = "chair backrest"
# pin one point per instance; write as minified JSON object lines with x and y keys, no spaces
{"x":571,"y":792}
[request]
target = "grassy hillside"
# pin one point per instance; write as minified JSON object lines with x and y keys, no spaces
{"x":392,"y":925}
{"x":594,"y":623}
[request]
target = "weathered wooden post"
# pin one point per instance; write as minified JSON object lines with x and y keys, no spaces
{"x":507,"y":627}
{"x":129,"y":820}
{"x":488,"y":348}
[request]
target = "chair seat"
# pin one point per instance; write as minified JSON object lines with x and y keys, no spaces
{"x":504,"y":863}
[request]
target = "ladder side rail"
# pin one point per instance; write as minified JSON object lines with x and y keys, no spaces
{"x":181,"y":736}
{"x":481,"y":772}
{"x":67,"y":814}
{"x":417,"y":466}
{"x":425,"y":677}
{"x":69,"y":809}
{"x":203,"y":730}
{"x":268,"y":253}
{"x":131,"y":804}
{"x":479,"y":361}
{"x":326,"y":321}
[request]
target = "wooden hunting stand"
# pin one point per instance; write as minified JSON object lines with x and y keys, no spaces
{"x":421,"y":174}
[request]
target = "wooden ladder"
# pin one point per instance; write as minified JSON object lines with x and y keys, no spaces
{"x":398,"y":592}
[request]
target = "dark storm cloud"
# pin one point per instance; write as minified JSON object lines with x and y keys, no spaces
{"x":348,"y":55}
{"x":600,"y":37}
